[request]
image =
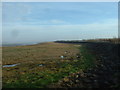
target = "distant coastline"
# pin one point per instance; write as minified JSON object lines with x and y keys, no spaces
{"x":16,"y":44}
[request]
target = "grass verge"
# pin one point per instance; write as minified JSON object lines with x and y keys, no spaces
{"x":87,"y":58}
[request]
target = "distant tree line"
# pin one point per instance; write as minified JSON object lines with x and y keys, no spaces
{"x":111,"y":40}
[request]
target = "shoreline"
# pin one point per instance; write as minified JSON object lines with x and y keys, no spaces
{"x":14,"y":45}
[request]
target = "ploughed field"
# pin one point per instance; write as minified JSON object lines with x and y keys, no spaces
{"x":55,"y":65}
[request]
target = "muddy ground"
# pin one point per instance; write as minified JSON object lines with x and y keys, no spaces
{"x":106,"y":72}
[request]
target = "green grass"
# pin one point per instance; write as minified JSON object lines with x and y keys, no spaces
{"x":41,"y":79}
{"x":56,"y":71}
{"x":87,"y":59}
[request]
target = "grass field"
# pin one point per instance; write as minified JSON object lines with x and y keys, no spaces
{"x":41,"y":65}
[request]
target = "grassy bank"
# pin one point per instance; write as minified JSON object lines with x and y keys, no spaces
{"x":88,"y":59}
{"x":30,"y":75}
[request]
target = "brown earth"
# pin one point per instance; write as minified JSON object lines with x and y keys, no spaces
{"x":104,"y":75}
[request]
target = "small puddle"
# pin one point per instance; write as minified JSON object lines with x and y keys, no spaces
{"x":11,"y":65}
{"x":40,"y":65}
{"x":62,"y":57}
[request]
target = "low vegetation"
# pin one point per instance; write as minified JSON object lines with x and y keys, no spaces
{"x":64,"y":64}
{"x":41,"y":65}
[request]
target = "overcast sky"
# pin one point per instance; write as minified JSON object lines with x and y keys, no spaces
{"x":25,"y":22}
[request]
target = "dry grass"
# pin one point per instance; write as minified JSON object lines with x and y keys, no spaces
{"x":36,"y":53}
{"x":30,"y":56}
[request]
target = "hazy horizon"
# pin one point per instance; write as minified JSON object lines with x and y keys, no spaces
{"x":33,"y":22}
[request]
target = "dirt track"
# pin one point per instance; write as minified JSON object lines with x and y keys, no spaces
{"x":106,"y":72}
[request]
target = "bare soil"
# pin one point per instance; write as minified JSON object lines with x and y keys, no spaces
{"x":106,"y":72}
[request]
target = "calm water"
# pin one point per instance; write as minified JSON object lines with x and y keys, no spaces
{"x":22,"y":44}
{"x":11,"y":65}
